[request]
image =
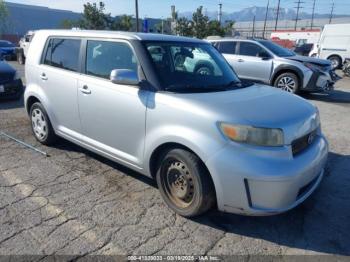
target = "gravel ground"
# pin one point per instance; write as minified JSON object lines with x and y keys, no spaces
{"x":75,"y":202}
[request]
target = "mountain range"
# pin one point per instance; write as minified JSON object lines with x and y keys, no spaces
{"x":247,"y":14}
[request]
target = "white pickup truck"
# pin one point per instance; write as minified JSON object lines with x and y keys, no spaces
{"x":24,"y":43}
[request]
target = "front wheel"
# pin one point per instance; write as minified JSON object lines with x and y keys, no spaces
{"x":184,"y":183}
{"x":288,"y":82}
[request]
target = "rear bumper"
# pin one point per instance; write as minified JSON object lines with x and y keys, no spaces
{"x":251,"y":182}
{"x":12,"y":90}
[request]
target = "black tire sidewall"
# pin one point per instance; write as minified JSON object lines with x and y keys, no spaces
{"x":191,"y":161}
{"x":291,"y":75}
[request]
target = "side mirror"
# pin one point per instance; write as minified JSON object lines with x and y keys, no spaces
{"x":264,"y":56}
{"x":124,"y":77}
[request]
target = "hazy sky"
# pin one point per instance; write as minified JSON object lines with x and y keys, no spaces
{"x":161,"y":8}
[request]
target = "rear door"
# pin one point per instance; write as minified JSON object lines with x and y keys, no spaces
{"x":228,"y":49}
{"x":58,"y":76}
{"x":253,"y":62}
{"x":112,"y":115}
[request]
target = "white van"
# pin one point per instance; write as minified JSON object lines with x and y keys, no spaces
{"x":334,"y":44}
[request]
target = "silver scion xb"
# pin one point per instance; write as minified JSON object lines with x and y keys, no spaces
{"x":173,"y":109}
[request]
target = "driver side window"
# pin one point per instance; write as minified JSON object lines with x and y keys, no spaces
{"x":102,"y":57}
{"x":251,"y":49}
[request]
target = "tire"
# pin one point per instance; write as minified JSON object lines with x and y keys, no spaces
{"x":184,"y":183}
{"x":336,"y":61}
{"x":288,"y":82}
{"x":41,"y":125}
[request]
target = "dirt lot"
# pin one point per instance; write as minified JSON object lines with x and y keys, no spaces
{"x":78,"y":203}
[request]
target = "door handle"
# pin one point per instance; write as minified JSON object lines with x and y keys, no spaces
{"x":240,"y":60}
{"x":85,"y":90}
{"x":43,"y":77}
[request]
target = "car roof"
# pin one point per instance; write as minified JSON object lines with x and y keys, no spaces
{"x":119,"y":35}
{"x":229,"y":39}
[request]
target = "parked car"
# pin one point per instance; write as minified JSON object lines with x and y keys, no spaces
{"x":334,"y":44}
{"x":22,"y":50}
{"x":266,"y":62}
{"x":11,"y":86}
{"x":7,"y":50}
{"x":206,"y":137}
{"x":303,"y":49}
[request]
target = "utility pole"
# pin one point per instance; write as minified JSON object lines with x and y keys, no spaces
{"x":278,"y":12}
{"x":220,"y":13}
{"x":253,"y":34}
{"x":137,"y":15}
{"x":267,"y":12}
{"x":298,"y":7}
{"x":313,"y":14}
{"x":331,"y":16}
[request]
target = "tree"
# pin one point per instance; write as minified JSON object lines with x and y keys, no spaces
{"x":69,"y":24}
{"x":3,"y":17}
{"x":229,"y":24}
{"x":184,"y":27}
{"x":123,"y":23}
{"x":215,"y":28}
{"x":94,"y":17}
{"x":200,"y":23}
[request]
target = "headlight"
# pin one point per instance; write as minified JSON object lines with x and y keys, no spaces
{"x":253,"y":135}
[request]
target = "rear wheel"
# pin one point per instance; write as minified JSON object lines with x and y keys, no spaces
{"x":288,"y":82}
{"x":41,"y":125}
{"x":184,"y":183}
{"x":335,"y":61}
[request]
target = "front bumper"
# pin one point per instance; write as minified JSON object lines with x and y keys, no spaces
{"x":253,"y":181}
{"x":12,"y":90}
{"x":321,"y":81}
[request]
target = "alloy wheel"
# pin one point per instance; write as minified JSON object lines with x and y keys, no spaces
{"x":287,"y":84}
{"x":39,"y":124}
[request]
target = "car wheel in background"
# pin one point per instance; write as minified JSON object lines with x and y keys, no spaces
{"x":335,"y":61}
{"x":288,"y":82}
{"x":41,"y":125}
{"x":184,"y":183}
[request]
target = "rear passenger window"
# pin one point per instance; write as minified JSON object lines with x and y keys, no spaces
{"x":63,"y":53}
{"x":227,"y":47}
{"x":102,"y":57}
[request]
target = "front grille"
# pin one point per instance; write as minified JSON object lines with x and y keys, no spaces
{"x":300,"y":144}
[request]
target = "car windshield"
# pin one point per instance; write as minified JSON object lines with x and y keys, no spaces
{"x":6,"y":44}
{"x":191,"y":67}
{"x":277,"y":49}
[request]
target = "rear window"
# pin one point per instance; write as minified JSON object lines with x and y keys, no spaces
{"x":63,"y":53}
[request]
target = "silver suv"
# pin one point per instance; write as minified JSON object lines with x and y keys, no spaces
{"x":172,"y":108}
{"x":266,"y":62}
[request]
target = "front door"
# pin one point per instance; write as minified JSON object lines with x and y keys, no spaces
{"x":112,"y":116}
{"x":253,"y":62}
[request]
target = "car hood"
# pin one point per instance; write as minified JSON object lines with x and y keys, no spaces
{"x":6,"y":68}
{"x":313,"y":60}
{"x":260,"y":106}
